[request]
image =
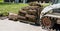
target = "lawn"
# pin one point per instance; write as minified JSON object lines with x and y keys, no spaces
{"x":11,"y":7}
{"x":1,"y":0}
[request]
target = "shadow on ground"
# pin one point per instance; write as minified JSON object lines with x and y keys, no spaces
{"x":31,"y":23}
{"x":56,"y":26}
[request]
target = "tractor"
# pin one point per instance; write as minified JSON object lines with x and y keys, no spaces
{"x":50,"y":15}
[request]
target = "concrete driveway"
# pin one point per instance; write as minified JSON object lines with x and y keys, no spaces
{"x":8,"y":25}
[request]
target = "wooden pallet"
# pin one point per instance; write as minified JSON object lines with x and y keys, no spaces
{"x":28,"y":22}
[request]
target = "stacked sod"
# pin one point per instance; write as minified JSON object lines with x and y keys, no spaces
{"x":30,"y":13}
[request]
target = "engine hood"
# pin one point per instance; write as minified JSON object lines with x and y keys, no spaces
{"x":48,"y":8}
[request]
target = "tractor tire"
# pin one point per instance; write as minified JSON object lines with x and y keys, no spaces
{"x":47,"y":22}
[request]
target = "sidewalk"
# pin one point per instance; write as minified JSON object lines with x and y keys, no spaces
{"x":7,"y":25}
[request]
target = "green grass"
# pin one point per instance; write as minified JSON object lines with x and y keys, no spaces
{"x":1,"y":0}
{"x":5,"y":8}
{"x":11,"y":7}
